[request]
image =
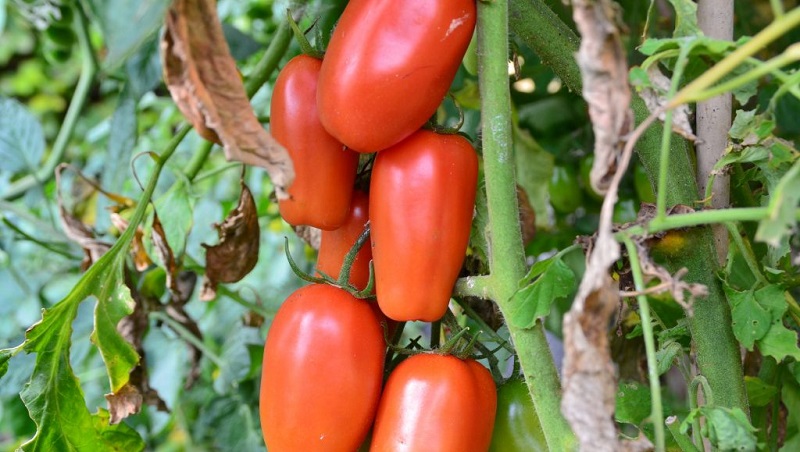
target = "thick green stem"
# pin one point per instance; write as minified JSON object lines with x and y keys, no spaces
{"x":507,"y":260}
{"x":88,"y":71}
{"x":263,"y":70}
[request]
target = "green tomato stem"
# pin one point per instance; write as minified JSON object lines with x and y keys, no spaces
{"x":187,"y":335}
{"x":684,"y":442}
{"x":507,"y":259}
{"x":657,"y":410}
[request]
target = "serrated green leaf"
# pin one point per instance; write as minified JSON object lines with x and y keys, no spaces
{"x":127,"y":25}
{"x":685,"y":18}
{"x":751,"y":321}
{"x":534,"y":167}
{"x":548,"y":281}
{"x":782,"y":209}
{"x":729,"y":429}
{"x":114,"y":303}
{"x":21,"y":138}
{"x":53,"y":395}
{"x":743,"y":124}
{"x":759,"y":392}
{"x":779,"y":343}
{"x":666,"y":354}
{"x":478,"y":239}
{"x":177,"y":208}
{"x":118,"y":437}
{"x":633,"y":403}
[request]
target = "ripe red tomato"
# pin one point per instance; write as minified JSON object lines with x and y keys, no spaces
{"x":388,"y":67}
{"x":324,"y":169}
{"x":335,"y":244}
{"x":422,"y":196}
{"x":436,"y":402}
{"x":322,"y":372}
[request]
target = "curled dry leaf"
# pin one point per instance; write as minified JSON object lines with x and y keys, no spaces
{"x":204,"y":82}
{"x":76,"y":230}
{"x":527,"y":216}
{"x":604,"y":69}
{"x":656,"y":100}
{"x":309,"y":234}
{"x":237,"y":251}
{"x":140,"y":258}
{"x":166,"y":255}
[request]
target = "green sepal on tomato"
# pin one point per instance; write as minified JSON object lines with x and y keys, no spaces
{"x":324,"y":169}
{"x":516,"y":425}
{"x":335,"y":244}
{"x":434,"y":402}
{"x":322,"y":372}
{"x":422,"y":197}
{"x":388,"y":66}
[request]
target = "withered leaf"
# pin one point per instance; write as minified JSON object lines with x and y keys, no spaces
{"x":655,"y":98}
{"x":76,"y":230}
{"x":604,"y":69}
{"x":140,"y":258}
{"x":237,"y":251}
{"x":165,"y":253}
{"x":123,"y":403}
{"x":204,"y":82}
{"x":527,"y":216}
{"x":309,"y":234}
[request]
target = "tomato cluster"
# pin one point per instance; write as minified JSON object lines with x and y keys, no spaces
{"x":387,"y":68}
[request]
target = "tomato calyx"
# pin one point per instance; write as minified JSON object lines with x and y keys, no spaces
{"x":300,"y":37}
{"x":342,"y":280}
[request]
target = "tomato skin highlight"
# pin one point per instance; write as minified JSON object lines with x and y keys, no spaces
{"x":322,"y":372}
{"x":337,"y":243}
{"x":436,"y":403}
{"x":324,"y":170}
{"x":422,"y":197}
{"x":516,"y":425}
{"x":388,"y":67}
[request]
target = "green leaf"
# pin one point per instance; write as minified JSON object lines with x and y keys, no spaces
{"x":242,"y":46}
{"x":118,"y":437}
{"x":633,"y":403}
{"x":121,"y":140}
{"x":666,"y":354}
{"x":53,"y":395}
{"x":175,"y":209}
{"x":235,"y":356}
{"x":639,"y":78}
{"x":751,"y":321}
{"x":685,"y":18}
{"x":546,"y":282}
{"x":478,"y":239}
{"x":779,"y":341}
{"x":127,"y":25}
{"x":144,"y":69}
{"x":21,"y":138}
{"x":5,"y":355}
{"x":729,"y":429}
{"x":759,"y":392}
{"x":743,"y":124}
{"x":534,"y":167}
{"x":782,"y":216}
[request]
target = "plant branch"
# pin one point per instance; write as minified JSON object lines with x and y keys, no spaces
{"x":507,"y":260}
{"x":85,"y":80}
{"x":657,"y":410}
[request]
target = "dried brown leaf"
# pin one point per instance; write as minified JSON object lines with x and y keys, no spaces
{"x":655,"y":98}
{"x":527,"y":216}
{"x":76,"y":230}
{"x":123,"y":403}
{"x":309,"y":234}
{"x":141,"y":260}
{"x":237,"y":251}
{"x":204,"y":82}
{"x":604,"y":69}
{"x":165,"y":253}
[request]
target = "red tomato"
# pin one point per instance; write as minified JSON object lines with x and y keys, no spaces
{"x":324,"y":169}
{"x":336,"y":244}
{"x":436,"y":403}
{"x":322,"y":372}
{"x":422,"y":196}
{"x":388,"y":67}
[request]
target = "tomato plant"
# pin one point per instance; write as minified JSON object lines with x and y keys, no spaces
{"x":324,"y":169}
{"x":421,"y":202}
{"x":516,"y":425}
{"x":436,"y":402}
{"x":322,"y":372}
{"x":564,"y":188}
{"x":335,"y":244}
{"x":388,"y":67}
